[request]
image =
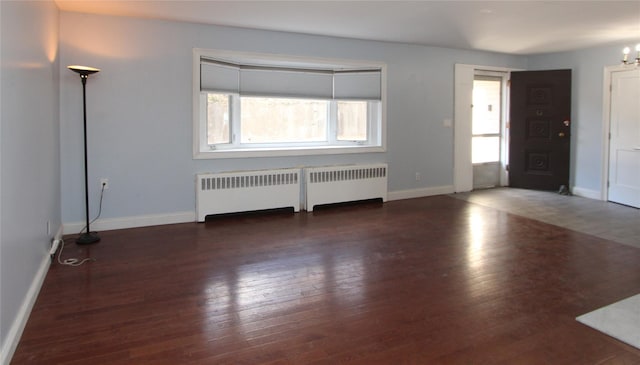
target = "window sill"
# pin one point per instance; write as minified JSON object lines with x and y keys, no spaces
{"x":281,"y":152}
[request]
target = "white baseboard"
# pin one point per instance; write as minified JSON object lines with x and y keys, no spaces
{"x":17,"y":327}
{"x":586,"y":193}
{"x":132,"y":222}
{"x":185,"y":217}
{"x":419,"y":193}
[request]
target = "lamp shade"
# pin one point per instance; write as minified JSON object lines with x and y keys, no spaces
{"x":83,"y":70}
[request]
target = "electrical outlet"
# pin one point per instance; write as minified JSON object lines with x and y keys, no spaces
{"x":104,"y":182}
{"x":418,"y":176}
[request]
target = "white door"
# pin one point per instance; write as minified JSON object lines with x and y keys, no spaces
{"x":624,"y":146}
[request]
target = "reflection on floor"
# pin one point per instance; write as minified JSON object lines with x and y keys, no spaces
{"x":606,"y":220}
{"x":610,"y":221}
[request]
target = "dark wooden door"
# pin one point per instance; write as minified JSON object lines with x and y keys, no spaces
{"x":540,"y":129}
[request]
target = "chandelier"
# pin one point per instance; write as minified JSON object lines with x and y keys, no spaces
{"x":625,"y":56}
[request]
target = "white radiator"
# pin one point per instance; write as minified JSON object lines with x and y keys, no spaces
{"x":336,"y":184}
{"x":231,"y":192}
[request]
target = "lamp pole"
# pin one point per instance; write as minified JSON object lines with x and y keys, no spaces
{"x":84,"y":72}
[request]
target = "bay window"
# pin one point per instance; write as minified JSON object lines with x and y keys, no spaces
{"x":264,"y":105}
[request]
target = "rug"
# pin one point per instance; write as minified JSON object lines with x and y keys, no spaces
{"x":620,"y":320}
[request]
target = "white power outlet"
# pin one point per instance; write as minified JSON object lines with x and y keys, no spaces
{"x":418,"y":176}
{"x":104,"y":182}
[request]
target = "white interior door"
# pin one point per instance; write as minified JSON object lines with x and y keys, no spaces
{"x":624,"y":144}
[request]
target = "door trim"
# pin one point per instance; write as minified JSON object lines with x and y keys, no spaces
{"x":463,"y":96}
{"x":606,"y":125}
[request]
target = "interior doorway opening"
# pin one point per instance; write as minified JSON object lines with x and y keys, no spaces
{"x":488,"y":129}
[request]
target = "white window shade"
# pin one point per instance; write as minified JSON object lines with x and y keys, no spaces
{"x":357,"y":85}
{"x":219,"y":77}
{"x":285,"y":82}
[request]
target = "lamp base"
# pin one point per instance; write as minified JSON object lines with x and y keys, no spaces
{"x":88,"y":238}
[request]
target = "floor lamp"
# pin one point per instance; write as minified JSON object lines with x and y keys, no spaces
{"x":84,"y":72}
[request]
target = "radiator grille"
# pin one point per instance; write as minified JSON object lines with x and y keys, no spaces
{"x":248,"y":181}
{"x":348,"y":174}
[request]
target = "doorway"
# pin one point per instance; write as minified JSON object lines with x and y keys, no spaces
{"x":533,"y":163}
{"x":488,"y":143}
{"x":463,"y":171}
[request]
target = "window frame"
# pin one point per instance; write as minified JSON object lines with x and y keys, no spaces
{"x":202,"y":150}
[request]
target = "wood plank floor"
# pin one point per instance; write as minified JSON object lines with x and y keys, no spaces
{"x":434,"y":280}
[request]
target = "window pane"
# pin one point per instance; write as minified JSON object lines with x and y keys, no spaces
{"x":485,"y":149}
{"x":352,"y":121}
{"x":217,"y":118}
{"x":278,"y":120}
{"x":486,"y":106}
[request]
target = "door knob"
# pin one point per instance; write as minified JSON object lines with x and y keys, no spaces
{"x":561,"y":134}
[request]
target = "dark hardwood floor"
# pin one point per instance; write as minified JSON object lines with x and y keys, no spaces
{"x":423,"y":281}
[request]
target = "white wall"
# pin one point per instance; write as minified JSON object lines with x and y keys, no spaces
{"x":29,"y":157}
{"x":139,"y":109}
{"x":587,"y":102}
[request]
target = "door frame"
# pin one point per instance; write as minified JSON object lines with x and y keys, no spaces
{"x":463,"y":97}
{"x":606,"y":125}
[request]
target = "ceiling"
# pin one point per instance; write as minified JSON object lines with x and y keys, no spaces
{"x":517,"y":27}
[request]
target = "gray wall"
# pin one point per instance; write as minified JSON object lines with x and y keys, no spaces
{"x":139,"y":109}
{"x":587,"y":102}
{"x":29,"y":149}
